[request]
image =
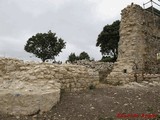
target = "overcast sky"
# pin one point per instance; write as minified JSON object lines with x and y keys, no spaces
{"x":78,"y":22}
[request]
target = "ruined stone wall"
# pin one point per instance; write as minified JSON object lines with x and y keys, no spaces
{"x":103,"y":68}
{"x":98,"y":66}
{"x":152,"y":40}
{"x":139,"y":43}
{"x":27,"y":87}
{"x":152,"y":77}
{"x":71,"y":77}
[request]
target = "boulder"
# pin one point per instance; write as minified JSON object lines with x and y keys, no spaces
{"x":23,"y":98}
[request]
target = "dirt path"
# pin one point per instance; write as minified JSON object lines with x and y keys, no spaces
{"x":103,"y":104}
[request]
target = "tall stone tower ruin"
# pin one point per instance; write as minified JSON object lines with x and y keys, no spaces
{"x":138,"y":46}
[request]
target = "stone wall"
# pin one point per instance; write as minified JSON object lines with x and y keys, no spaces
{"x":103,"y":68}
{"x":138,"y":46}
{"x":71,"y":77}
{"x":27,"y":87}
{"x":152,"y":40}
{"x":98,"y":66}
{"x":152,"y":77}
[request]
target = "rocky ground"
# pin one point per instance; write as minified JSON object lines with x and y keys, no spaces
{"x":132,"y":102}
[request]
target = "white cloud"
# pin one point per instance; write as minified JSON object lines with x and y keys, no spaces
{"x":38,"y":7}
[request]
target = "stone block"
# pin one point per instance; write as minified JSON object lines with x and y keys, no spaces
{"x":27,"y":99}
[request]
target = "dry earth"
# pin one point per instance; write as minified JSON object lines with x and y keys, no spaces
{"x":103,"y":104}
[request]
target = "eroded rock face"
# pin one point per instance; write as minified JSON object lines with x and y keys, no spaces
{"x":26,"y":87}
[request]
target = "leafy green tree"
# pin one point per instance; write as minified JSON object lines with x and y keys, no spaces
{"x":108,"y":40}
{"x":107,"y":59}
{"x":84,"y":55}
{"x":45,"y":45}
{"x":72,"y":57}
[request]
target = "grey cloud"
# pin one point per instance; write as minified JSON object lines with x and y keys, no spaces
{"x":73,"y":20}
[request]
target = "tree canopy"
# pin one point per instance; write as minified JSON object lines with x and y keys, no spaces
{"x":108,"y":40}
{"x":72,"y":57}
{"x":83,"y":55}
{"x":45,"y":45}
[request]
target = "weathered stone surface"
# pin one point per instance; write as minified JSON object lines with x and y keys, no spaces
{"x":103,"y":68}
{"x":23,"y":98}
{"x":66,"y":74}
{"x":138,"y":46}
{"x":98,"y":66}
{"x":28,"y":87}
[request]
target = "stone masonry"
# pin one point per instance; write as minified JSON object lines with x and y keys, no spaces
{"x":103,"y":68}
{"x":138,"y":46}
{"x":27,"y":88}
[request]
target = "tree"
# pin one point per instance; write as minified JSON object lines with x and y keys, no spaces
{"x":108,"y":40}
{"x":72,"y":57}
{"x":45,"y":45}
{"x":84,"y":55}
{"x":106,"y":59}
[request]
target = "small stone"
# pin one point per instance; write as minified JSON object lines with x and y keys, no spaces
{"x":17,"y":117}
{"x":116,"y":102}
{"x":41,"y":113}
{"x":145,"y":82}
{"x":151,"y":84}
{"x":92,"y":108}
{"x":126,"y":104}
{"x":34,"y":116}
{"x":80,"y":115}
{"x":112,"y":110}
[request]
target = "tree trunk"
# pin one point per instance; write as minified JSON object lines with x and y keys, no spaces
{"x":43,"y":60}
